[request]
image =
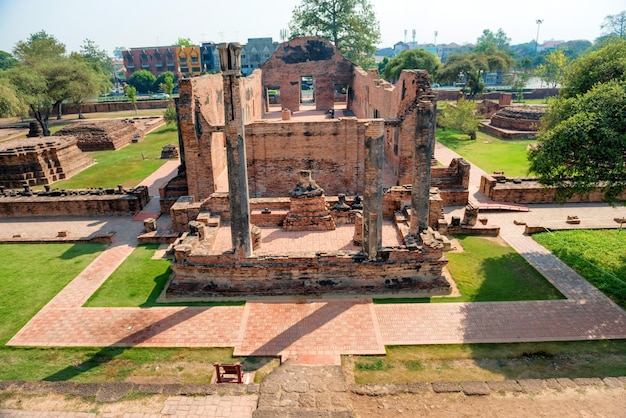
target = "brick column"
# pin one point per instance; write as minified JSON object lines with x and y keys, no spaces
{"x":373,"y":189}
{"x":230,"y":59}
{"x":423,"y":151}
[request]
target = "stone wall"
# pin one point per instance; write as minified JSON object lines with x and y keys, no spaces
{"x":117,"y":106}
{"x":528,"y":190}
{"x":306,"y":57}
{"x":452,"y":181}
{"x":37,"y":161}
{"x":89,"y":202}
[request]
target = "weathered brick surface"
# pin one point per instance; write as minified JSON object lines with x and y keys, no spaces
{"x":528,"y":190}
{"x":36,"y":161}
{"x":302,"y":57}
{"x":92,"y":202}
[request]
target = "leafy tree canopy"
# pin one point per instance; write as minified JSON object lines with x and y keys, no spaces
{"x":490,"y":41}
{"x":599,"y":66}
{"x":460,"y":116}
{"x":39,"y":46}
{"x":573,"y":49}
{"x":615,"y":25}
{"x":10,"y":103}
{"x":409,"y":60}
{"x":471,"y":67}
{"x":551,"y":71}
{"x":97,"y":57}
{"x":117,"y":52}
{"x":582,"y":143}
{"x":6,"y":60}
{"x":184,"y":42}
{"x":142,"y":81}
{"x":351,"y":25}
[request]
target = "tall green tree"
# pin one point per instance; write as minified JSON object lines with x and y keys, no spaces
{"x":351,"y":25}
{"x":471,"y":67}
{"x":131,"y":93}
{"x":461,"y":117}
{"x":97,"y":58}
{"x":10,"y":103}
{"x":615,"y":25}
{"x":85,"y":81}
{"x":143,"y":81}
{"x":600,"y":66}
{"x":164,"y":83}
{"x":6,"y":60}
{"x":32,"y":88}
{"x":551,"y":71}
{"x":40,"y":46}
{"x":582,"y":143}
{"x":184,"y":42}
{"x":409,"y":60}
{"x":490,"y":41}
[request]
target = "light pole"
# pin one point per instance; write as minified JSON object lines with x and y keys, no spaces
{"x":539,"y":22}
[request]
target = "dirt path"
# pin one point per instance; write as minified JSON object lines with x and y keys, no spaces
{"x":588,"y":402}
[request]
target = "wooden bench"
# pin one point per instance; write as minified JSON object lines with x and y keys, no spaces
{"x":228,"y":373}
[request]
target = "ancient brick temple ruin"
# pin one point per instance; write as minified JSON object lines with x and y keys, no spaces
{"x":359,"y":152}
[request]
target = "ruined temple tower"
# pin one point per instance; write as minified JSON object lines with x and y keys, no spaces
{"x":230,"y":59}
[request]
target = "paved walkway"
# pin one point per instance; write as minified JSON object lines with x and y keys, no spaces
{"x":325,"y":329}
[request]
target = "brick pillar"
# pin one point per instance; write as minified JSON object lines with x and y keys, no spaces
{"x":230,"y":60}
{"x":373,"y":189}
{"x":423,"y":151}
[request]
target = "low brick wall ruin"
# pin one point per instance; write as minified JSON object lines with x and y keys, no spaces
{"x":528,"y":190}
{"x":37,"y":161}
{"x":199,"y":273}
{"x":87,"y":202}
{"x":102,"y":135}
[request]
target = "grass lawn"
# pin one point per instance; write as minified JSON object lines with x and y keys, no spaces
{"x":597,"y":255}
{"x":32,"y":274}
{"x":488,"y":152}
{"x":127,"y":166}
{"x":573,"y":359}
{"x":488,"y":270}
{"x":139,"y":282}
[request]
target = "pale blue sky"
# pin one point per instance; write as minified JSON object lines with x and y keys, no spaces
{"x":137,"y":23}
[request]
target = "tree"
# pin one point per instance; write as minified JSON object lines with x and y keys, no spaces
{"x":409,"y":60}
{"x":40,"y":46}
{"x":32,"y":88}
{"x":490,"y":41}
{"x":460,"y":116}
{"x":98,"y":58}
{"x":164,"y":83}
{"x":131,"y":93}
{"x":582,"y":143}
{"x":351,"y":25}
{"x":117,"y":52}
{"x":170,"y":116}
{"x":470,"y":68}
{"x":6,"y":60}
{"x":552,"y":70}
{"x":10,"y":103}
{"x":615,"y":25}
{"x":599,"y":66}
{"x":573,"y":49}
{"x":520,"y":78}
{"x":143,"y":81}
{"x":184,"y":42}
{"x":85,"y":82}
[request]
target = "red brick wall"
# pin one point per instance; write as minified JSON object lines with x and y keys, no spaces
{"x":307,"y":56}
{"x":201,"y":112}
{"x":331,"y":149}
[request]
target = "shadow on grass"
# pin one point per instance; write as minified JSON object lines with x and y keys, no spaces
{"x":83,"y":248}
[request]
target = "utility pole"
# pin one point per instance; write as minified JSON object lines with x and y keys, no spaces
{"x":539,"y":22}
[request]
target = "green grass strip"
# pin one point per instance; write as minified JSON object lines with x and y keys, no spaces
{"x":32,"y":274}
{"x":597,"y":255}
{"x":488,"y":152}
{"x":138,"y":282}
{"x":488,"y":271}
